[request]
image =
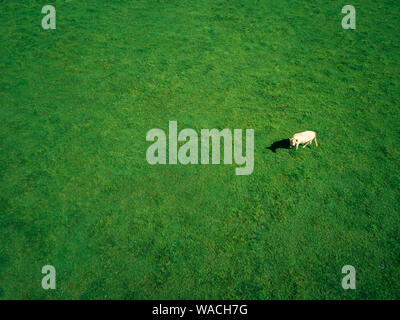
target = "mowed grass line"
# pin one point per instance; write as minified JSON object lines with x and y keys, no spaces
{"x":76,"y":190}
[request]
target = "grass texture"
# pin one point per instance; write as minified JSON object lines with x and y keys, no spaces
{"x":77,"y":193}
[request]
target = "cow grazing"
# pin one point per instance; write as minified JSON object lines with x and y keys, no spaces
{"x":305,"y":138}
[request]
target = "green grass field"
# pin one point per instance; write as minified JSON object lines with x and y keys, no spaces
{"x":76,"y":191}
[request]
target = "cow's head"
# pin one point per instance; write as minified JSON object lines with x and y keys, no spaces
{"x":293,"y":142}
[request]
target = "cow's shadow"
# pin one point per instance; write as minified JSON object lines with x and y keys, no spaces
{"x":281,"y":144}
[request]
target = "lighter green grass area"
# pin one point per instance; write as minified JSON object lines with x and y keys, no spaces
{"x":76,"y":191}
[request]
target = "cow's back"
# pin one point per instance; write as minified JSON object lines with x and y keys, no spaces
{"x":305,"y":136}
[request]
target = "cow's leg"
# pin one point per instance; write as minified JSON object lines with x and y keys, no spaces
{"x":307,"y":143}
{"x":297,"y":146}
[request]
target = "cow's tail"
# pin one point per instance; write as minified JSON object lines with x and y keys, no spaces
{"x":315,"y":139}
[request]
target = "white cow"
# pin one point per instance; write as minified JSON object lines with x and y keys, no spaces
{"x":305,"y":137}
